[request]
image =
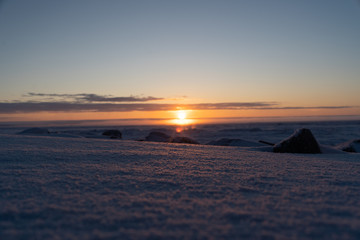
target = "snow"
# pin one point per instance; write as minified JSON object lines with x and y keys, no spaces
{"x":81,"y":188}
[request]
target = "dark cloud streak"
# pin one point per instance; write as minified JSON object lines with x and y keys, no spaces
{"x":299,"y":108}
{"x":85,"y":97}
{"x":97,"y":98}
{"x":84,"y":102}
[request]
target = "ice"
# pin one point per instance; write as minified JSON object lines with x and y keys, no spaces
{"x":157,"y":137}
{"x":234,"y":142}
{"x":163,"y":137}
{"x":330,"y":133}
{"x":112,"y":133}
{"x":35,"y":131}
{"x":350,"y":146}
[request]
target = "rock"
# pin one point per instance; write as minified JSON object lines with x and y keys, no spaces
{"x":183,"y":140}
{"x":234,"y":142}
{"x":158,"y":137}
{"x":301,"y":141}
{"x":113,"y":134}
{"x":35,"y":131}
{"x":350,"y":146}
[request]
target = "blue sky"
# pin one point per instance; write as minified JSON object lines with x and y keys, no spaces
{"x":292,"y":53}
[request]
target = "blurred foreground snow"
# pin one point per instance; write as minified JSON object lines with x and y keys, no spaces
{"x":78,"y":188}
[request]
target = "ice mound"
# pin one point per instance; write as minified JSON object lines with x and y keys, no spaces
{"x":183,"y":140}
{"x":234,"y":142}
{"x":35,"y":131}
{"x":113,"y":134}
{"x":301,"y":141}
{"x":254,"y":129}
{"x":350,"y":146}
{"x":158,"y":137}
{"x":167,"y":131}
{"x":162,"y":137}
{"x":131,"y":131}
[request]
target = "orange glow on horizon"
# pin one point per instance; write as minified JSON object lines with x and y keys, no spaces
{"x":181,"y":118}
{"x":181,"y":115}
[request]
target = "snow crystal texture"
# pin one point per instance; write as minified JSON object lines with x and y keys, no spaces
{"x":78,"y":188}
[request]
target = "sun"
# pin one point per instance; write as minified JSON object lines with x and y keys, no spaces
{"x":181,"y":118}
{"x":181,"y":115}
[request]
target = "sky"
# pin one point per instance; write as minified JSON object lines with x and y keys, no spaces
{"x":150,"y":59}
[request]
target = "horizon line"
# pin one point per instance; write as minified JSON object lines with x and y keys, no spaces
{"x":269,"y":118}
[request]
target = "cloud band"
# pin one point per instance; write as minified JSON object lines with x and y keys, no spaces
{"x":29,"y":107}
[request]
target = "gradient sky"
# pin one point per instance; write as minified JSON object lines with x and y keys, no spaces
{"x":146,"y":58}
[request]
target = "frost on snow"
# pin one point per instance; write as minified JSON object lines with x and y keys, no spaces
{"x":79,"y":188}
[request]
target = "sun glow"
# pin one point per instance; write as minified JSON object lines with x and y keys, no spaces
{"x":181,"y":118}
{"x":181,"y":115}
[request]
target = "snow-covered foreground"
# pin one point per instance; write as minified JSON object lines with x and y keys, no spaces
{"x":70,"y":188}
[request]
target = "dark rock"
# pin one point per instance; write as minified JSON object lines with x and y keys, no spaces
{"x":350,"y":146}
{"x":301,"y":141}
{"x":158,"y":137}
{"x":35,"y":131}
{"x":183,"y":140}
{"x":113,"y":134}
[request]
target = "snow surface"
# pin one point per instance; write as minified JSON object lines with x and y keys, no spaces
{"x":80,"y":188}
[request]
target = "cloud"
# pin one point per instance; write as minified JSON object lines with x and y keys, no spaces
{"x":299,"y":108}
{"x":86,"y":97}
{"x":97,"y":98}
{"x":84,"y":102}
{"x":27,"y":107}
{"x":30,"y":107}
